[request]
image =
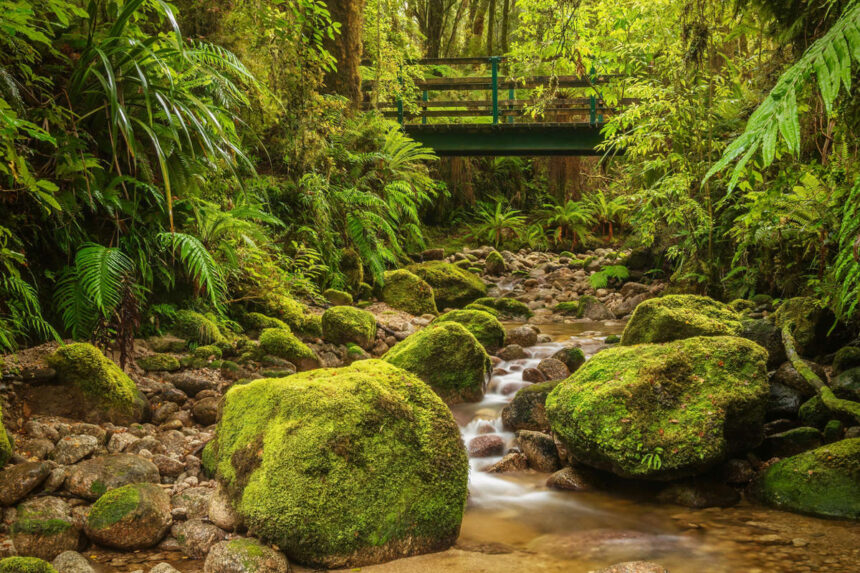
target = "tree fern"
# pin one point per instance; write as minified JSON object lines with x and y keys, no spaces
{"x":203,"y":269}
{"x":830,"y":59}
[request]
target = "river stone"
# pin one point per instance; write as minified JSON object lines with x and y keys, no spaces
{"x":483,"y":325}
{"x":192,"y":384}
{"x":533,"y":375}
{"x":847,"y":384}
{"x":34,"y":448}
{"x":196,"y":537}
{"x":452,"y":286}
{"x":486,"y":446}
{"x":572,"y":356}
{"x":135,"y":516}
{"x":19,"y":480}
{"x":571,"y":479}
{"x":512,"y":352}
{"x":765,"y":333}
{"x":221,"y":511}
{"x":205,"y":411}
{"x":592,"y":309}
{"x":245,"y":555}
{"x":699,"y":495}
{"x":679,"y":316}
{"x":823,"y":482}
{"x":313,"y":457}
{"x":793,"y":441}
{"x":92,"y":478}
{"x":195,"y":501}
{"x":663,"y":411}
{"x":845,"y":359}
{"x":43,"y":528}
{"x":787,"y":375}
{"x":511,"y":462}
{"x":347,"y":324}
{"x":524,"y":336}
{"x":527,"y":409}
{"x":25,"y":565}
{"x":553,"y":369}
{"x":540,"y":450}
{"x":407,"y":292}
{"x":783,"y":402}
{"x":634,"y":567}
{"x":72,"y":562}
{"x":73,"y":449}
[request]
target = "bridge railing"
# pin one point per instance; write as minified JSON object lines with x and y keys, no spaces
{"x":593,"y":106}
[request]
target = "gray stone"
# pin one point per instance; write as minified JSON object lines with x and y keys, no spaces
{"x":72,"y":562}
{"x":73,"y":449}
{"x":19,"y":480}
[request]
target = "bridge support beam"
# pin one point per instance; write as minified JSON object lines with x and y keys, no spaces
{"x":506,"y":139}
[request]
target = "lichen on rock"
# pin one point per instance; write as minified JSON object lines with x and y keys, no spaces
{"x":673,"y":317}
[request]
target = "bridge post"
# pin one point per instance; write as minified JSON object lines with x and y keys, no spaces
{"x":511,"y":97}
{"x":425,"y":98}
{"x":494,"y":63}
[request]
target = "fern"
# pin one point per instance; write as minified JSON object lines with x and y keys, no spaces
{"x":601,"y":278}
{"x":830,"y":59}
{"x":203,"y":269}
{"x":100,"y":273}
{"x":846,"y":269}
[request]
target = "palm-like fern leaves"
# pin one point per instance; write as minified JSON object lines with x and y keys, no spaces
{"x":205,"y":272}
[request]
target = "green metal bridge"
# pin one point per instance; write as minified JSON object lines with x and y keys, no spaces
{"x":568,"y":126}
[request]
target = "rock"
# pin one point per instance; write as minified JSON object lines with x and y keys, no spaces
{"x":452,"y":286}
{"x":337,"y":297}
{"x":483,"y":325}
{"x":524,"y":336}
{"x":73,"y":449}
{"x":602,"y":545}
{"x":512,"y":462}
{"x":526,"y":411}
{"x":788,"y":376}
{"x":784,"y":402}
{"x":628,"y":305}
{"x":43,"y":528}
{"x":814,"y":413}
{"x":197,"y":537}
{"x":592,"y":309}
{"x":25,"y":565}
{"x":92,"y":478}
{"x":192,"y":384}
{"x":159,"y":362}
{"x":94,"y":389}
{"x":205,"y":411}
{"x":824,"y":482}
{"x":362,"y":427}
{"x":810,"y":322}
{"x":119,"y":441}
{"x":634,"y":567}
{"x":83,"y":429}
{"x":72,"y":562}
{"x":533,"y":375}
{"x":245,"y":556}
{"x":793,"y":441}
{"x":448,"y":358}
{"x":221,"y":511}
{"x":847,"y":385}
{"x":17,"y":481}
{"x":553,"y":369}
{"x":571,"y":479}
{"x":164,"y":568}
{"x":765,"y":333}
{"x":833,"y":431}
{"x":168,"y":466}
{"x":663,"y":411}
{"x":486,"y":446}
{"x":166,"y":343}
{"x":408,"y":292}
{"x":284,"y":344}
{"x":572,"y":357}
{"x":345,"y":324}
{"x":540,"y":450}
{"x":495,"y":264}
{"x":512,"y":352}
{"x":846,"y":359}
{"x":675,"y":317}
{"x":37,"y":448}
{"x":505,"y":307}
{"x":194,"y":500}
{"x":135,"y":516}
{"x":738,"y":472}
{"x":699,"y":494}
{"x":433,"y":254}
{"x":197,"y":328}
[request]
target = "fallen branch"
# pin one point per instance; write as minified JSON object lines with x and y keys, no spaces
{"x":828,"y":398}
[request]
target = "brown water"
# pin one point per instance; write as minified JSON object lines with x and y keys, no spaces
{"x":513,"y":522}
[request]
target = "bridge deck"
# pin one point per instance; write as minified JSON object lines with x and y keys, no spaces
{"x":509,"y":139}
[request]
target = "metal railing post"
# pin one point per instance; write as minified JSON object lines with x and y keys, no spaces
{"x":592,"y":103}
{"x":425,"y":98}
{"x":511,"y":97}
{"x":494,"y":61}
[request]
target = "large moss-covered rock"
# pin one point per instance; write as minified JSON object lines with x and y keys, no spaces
{"x":343,"y":467}
{"x":337,"y":297}
{"x":824,"y":481}
{"x":408,"y":292}
{"x":98,"y":390}
{"x":483,"y":325}
{"x":345,"y":324}
{"x":284,"y":344}
{"x":159,"y":362}
{"x":257,"y":322}
{"x":285,"y":308}
{"x":43,"y":528}
{"x":452,"y":286}
{"x":134,"y":516}
{"x":447,"y":357}
{"x":663,"y":411}
{"x":25,"y":565}
{"x":197,"y":328}
{"x":678,"y":316}
{"x":810,"y":322}
{"x":507,"y":307}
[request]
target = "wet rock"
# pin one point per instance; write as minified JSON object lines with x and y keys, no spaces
{"x":533,"y":375}
{"x":205,"y":411}
{"x":245,"y":555}
{"x":788,"y":376}
{"x":539,"y":450}
{"x":571,"y":479}
{"x":168,"y":466}
{"x":221,"y":511}
{"x":135,"y":516}
{"x":524,"y":336}
{"x":19,"y":480}
{"x":72,"y":562}
{"x":43,"y":528}
{"x":572,"y":357}
{"x":846,"y":359}
{"x":92,"y":478}
{"x":191,"y":384}
{"x":512,"y":352}
{"x":73,"y":449}
{"x":634,"y":567}
{"x":784,"y":402}
{"x":486,"y":446}
{"x":553,"y":369}
{"x":527,"y":409}
{"x":793,"y":441}
{"x":738,"y":472}
{"x":197,"y":537}
{"x":511,"y":462}
{"x":195,"y":501}
{"x":765,"y":333}
{"x":699,"y":494}
{"x":847,"y":384}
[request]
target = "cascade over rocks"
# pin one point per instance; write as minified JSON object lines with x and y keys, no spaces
{"x":309,"y":462}
{"x":663,"y":411}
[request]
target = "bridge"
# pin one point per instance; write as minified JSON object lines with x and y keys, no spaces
{"x":462,"y":125}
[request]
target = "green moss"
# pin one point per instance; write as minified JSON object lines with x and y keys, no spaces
{"x":483,"y":308}
{"x":813,"y":412}
{"x":343,"y":324}
{"x":25,"y":565}
{"x":407,"y":292}
{"x":612,"y":339}
{"x":312,"y":325}
{"x":507,"y":307}
{"x":833,"y":431}
{"x":364,"y":292}
{"x":674,"y":317}
{"x":495,"y":263}
{"x":692,"y":402}
{"x":258,"y":321}
{"x":283,"y":344}
{"x":5,"y":444}
{"x":567,"y":254}
{"x":208,"y":351}
{"x":310,"y":461}
{"x":846,"y":359}
{"x":570,"y":308}
{"x":761,"y":299}
{"x":572,"y":356}
{"x":823,"y":482}
{"x":452,"y":286}
{"x":527,"y":410}
{"x":98,"y":487}
{"x":352,"y":269}
{"x":741,"y":305}
{"x":463,"y":264}
{"x":113,"y":506}
{"x":43,"y":527}
{"x":447,"y":357}
{"x":197,"y":328}
{"x":285,"y":308}
{"x":98,"y":378}
{"x":337,"y":297}
{"x":483,"y":325}
{"x":159,"y":362}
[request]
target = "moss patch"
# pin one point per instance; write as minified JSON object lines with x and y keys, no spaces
{"x":678,"y":316}
{"x":159,"y":362}
{"x":337,"y":297}
{"x":259,"y":321}
{"x":113,"y":506}
{"x":452,"y":286}
{"x":810,"y":322}
{"x":283,"y":344}
{"x":484,"y":326}
{"x":197,"y":328}
{"x":507,"y":307}
{"x":343,"y":324}
{"x":25,"y":565}
{"x":407,"y":292}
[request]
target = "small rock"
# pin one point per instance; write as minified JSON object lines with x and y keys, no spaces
{"x":92,"y":478}
{"x":221,"y":511}
{"x":72,"y":562}
{"x":533,"y":375}
{"x":553,"y":369}
{"x":43,"y":528}
{"x":524,"y":336}
{"x":486,"y":446}
{"x":540,"y":450}
{"x":73,"y":449}
{"x":511,"y":462}
{"x":634,"y":567}
{"x":512,"y":352}
{"x":197,"y":537}
{"x":119,"y":441}
{"x":246,"y":555}
{"x":570,"y":478}
{"x":168,"y":466}
{"x":699,"y":494}
{"x":205,"y":411}
{"x":18,"y":481}
{"x":135,"y":516}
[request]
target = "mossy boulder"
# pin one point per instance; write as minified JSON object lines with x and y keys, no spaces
{"x":134,"y":516}
{"x":484,"y":326}
{"x":678,"y":316}
{"x":43,"y":528}
{"x":481,"y":307}
{"x":567,"y":308}
{"x":345,"y":324}
{"x":159,"y":362}
{"x":98,"y":389}
{"x":663,"y":411}
{"x":311,"y":326}
{"x":452,"y":286}
{"x":495,"y":264}
{"x":25,"y":565}
{"x":847,"y":384}
{"x":810,"y":322}
{"x":823,"y":482}
{"x":197,"y":328}
{"x":5,"y":444}
{"x":572,"y":356}
{"x":257,"y":322}
{"x":408,"y":292}
{"x":343,"y":467}
{"x":447,"y":357}
{"x":282,"y":343}
{"x":765,"y":333}
{"x":245,"y":555}
{"x":337,"y":297}
{"x":507,"y":307}
{"x":527,"y":411}
{"x":846,"y":359}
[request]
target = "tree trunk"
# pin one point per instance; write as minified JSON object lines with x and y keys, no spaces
{"x":434,"y":28}
{"x":506,"y":10}
{"x":491,"y":27}
{"x":346,"y":48}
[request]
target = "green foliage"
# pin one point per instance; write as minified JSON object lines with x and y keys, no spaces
{"x":601,"y":278}
{"x":497,"y":223}
{"x":570,"y":221}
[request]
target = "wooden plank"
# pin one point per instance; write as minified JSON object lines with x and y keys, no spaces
{"x":486,"y":83}
{"x":472,"y":104}
{"x":487,"y":113}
